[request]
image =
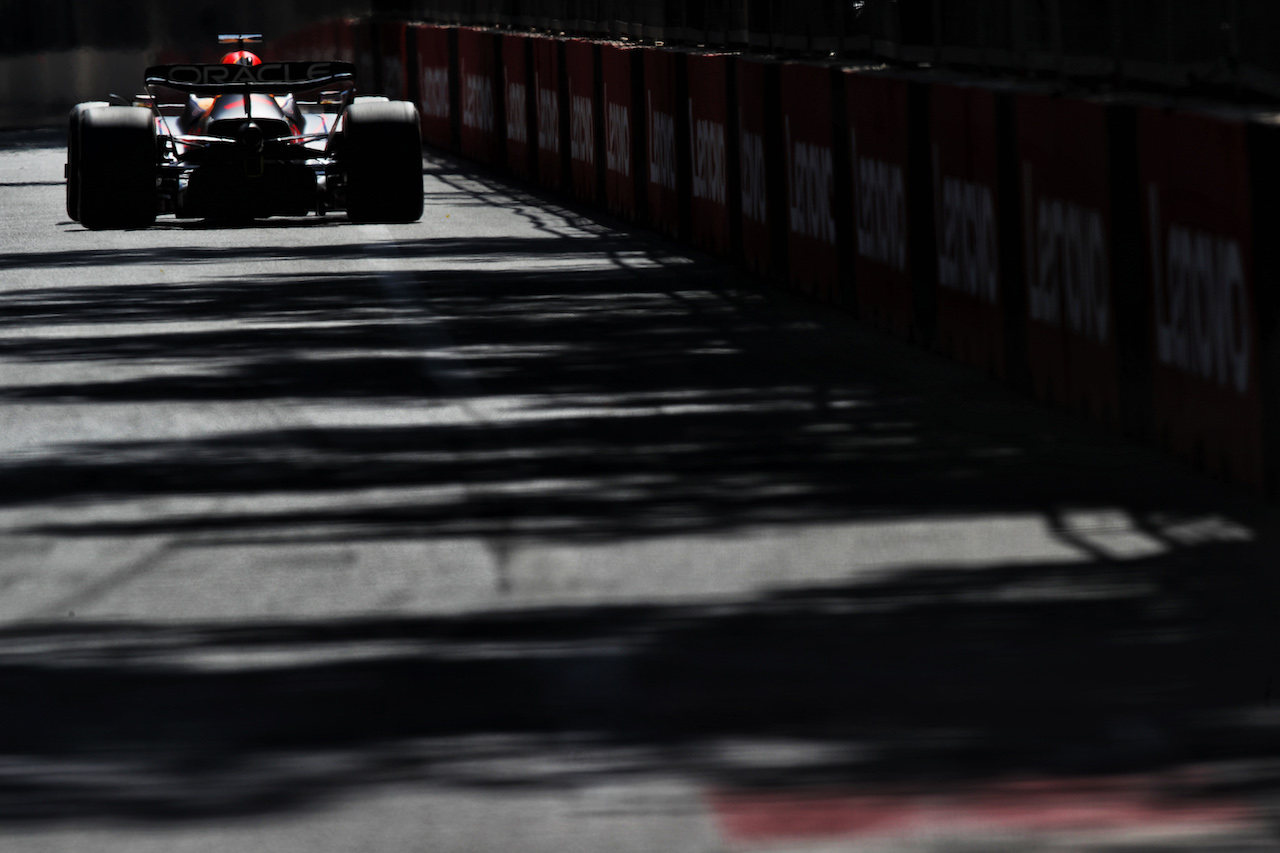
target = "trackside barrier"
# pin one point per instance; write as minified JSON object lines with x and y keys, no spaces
{"x":1065,"y":200}
{"x":662,"y":108}
{"x":437,"y":89}
{"x":550,"y":85}
{"x":390,"y":59}
{"x":714,"y":179}
{"x":620,"y":68}
{"x":481,"y":135}
{"x":761,"y":168}
{"x":518,"y":94}
{"x":341,"y":37}
{"x":1264,"y":173}
{"x":319,"y":41}
{"x":367,"y":44}
{"x":970,"y":308}
{"x":881,"y":174}
{"x":1110,"y":256}
{"x":586,"y":157}
{"x":807,"y":129}
{"x":1202,"y":290}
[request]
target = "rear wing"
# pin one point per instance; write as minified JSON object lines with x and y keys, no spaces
{"x":271,"y":77}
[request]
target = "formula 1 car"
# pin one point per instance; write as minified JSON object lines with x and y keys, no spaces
{"x":242,"y":140}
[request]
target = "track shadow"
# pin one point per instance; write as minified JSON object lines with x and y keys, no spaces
{"x":921,"y":680}
{"x":655,"y":407}
{"x":632,"y":396}
{"x":27,"y":140}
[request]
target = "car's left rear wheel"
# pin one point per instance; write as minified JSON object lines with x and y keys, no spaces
{"x":117,"y":176}
{"x":73,"y":155}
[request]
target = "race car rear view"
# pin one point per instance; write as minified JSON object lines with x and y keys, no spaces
{"x":242,"y":140}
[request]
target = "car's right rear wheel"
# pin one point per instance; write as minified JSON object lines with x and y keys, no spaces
{"x":382,"y":152}
{"x":117,"y":168}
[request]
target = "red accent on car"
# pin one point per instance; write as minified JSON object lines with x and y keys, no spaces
{"x":241,"y":57}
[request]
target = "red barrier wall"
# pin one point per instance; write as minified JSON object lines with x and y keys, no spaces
{"x":392,"y":62}
{"x":434,"y":102}
{"x":813,"y":259}
{"x":598,"y":128}
{"x":480,"y":135}
{"x":708,"y":102}
{"x":325,"y":40}
{"x":661,"y":103}
{"x":579,"y":57}
{"x":516,"y":92}
{"x":757,"y":160}
{"x":366,"y":45}
{"x":879,"y":139}
{"x":1196,"y":216}
{"x":970,"y":320}
{"x":619,"y":120}
{"x":1066,"y":216}
{"x":620,"y":140}
{"x":547,"y":107}
{"x":341,"y":37}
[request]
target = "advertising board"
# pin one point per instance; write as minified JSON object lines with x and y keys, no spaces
{"x":708,"y":102}
{"x":662,"y":142}
{"x":549,"y":101}
{"x":1065,"y":201}
{"x":584,"y":148}
{"x":968,"y":242}
{"x":880,"y":168}
{"x":812,"y":234}
{"x":1202,"y":292}
{"x":435,"y":101}
{"x":617,"y":64}
{"x":480,"y":96}
{"x":517,"y":97}
{"x":761,"y":165}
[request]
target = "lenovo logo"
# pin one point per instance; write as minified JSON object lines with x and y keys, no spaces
{"x":548,"y":118}
{"x":755,"y":194}
{"x":477,"y":102}
{"x":662,"y":146}
{"x":810,"y":169}
{"x":968,"y":250}
{"x":881,"y":204}
{"x":517,"y":113}
{"x":581,"y":143}
{"x":617,"y":136}
{"x":1203,"y":320}
{"x":1067,"y":264}
{"x":707,"y":140}
{"x":435,"y":92}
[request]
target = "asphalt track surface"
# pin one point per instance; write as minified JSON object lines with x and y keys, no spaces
{"x":515,"y":529}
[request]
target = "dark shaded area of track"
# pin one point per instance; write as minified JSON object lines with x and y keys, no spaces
{"x":706,"y":417}
{"x":931,"y":678}
{"x":780,"y":424}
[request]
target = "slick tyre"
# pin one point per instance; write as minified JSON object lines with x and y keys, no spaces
{"x":73,"y":156}
{"x":117,"y":168}
{"x":382,"y":151}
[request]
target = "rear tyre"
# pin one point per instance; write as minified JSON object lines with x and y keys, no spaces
{"x":73,"y":156}
{"x":117,"y":168}
{"x":382,"y":152}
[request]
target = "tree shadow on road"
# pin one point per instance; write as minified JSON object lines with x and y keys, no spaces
{"x":920,"y":680}
{"x":650,"y":401}
{"x":574,"y":390}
